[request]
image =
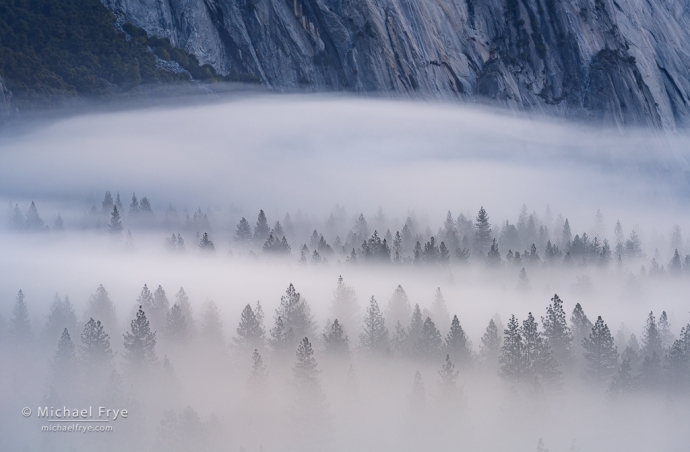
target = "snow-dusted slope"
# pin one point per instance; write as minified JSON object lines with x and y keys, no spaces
{"x":621,"y":62}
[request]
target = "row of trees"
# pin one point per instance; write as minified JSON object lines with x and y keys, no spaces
{"x":522,"y":353}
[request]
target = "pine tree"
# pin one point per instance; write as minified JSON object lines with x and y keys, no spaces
{"x":335,"y":340}
{"x":651,"y":340}
{"x":344,"y":305}
{"x":250,"y":333}
{"x":439,"y":311}
{"x":514,"y":366}
{"x":600,"y":352}
{"x":523,"y":281}
{"x":281,"y":337}
{"x":305,"y":372}
{"x":182,"y":300}
{"x":675,"y":267}
{"x":107,"y":202}
{"x":95,"y":345}
{"x":296,"y":314}
{"x":140,"y":343}
{"x":176,"y":326}
{"x":211,"y":328}
{"x":101,"y":307}
{"x":429,"y":344}
{"x":493,"y":258}
{"x":398,"y":308}
{"x":20,"y":327}
{"x":160,"y":307}
{"x":145,"y":299}
{"x":399,"y":343}
{"x":374,"y":337}
{"x":417,"y":396}
{"x":457,"y":345}
{"x":61,"y":316}
{"x":33,"y":221}
{"x":64,"y":360}
{"x":538,"y":354}
{"x":482,"y":234}
{"x":582,"y":326}
{"x":677,"y":368}
{"x":449,"y":376}
{"x":491,"y":346}
{"x":261,"y":230}
{"x":567,"y":237}
{"x":206,"y":245}
{"x":557,"y":332}
{"x":665,"y":331}
{"x":624,"y":381}
{"x":259,"y":375}
{"x":115,"y":226}
{"x":134,"y":206}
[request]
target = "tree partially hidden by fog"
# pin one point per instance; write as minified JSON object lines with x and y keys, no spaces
{"x":140,"y":343}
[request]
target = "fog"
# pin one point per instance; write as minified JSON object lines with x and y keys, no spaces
{"x":331,"y":171}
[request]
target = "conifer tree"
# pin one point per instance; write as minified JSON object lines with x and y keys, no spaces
{"x":482,"y":234}
{"x":261,"y":230}
{"x":457,"y":345}
{"x":206,"y":245}
{"x":59,"y":224}
{"x":490,"y":347}
{"x":336,"y":341}
{"x":493,"y":258}
{"x":134,"y":206}
{"x":61,"y":316}
{"x":665,"y":331}
{"x":523,"y":281}
{"x":176,"y":326}
{"x":281,"y":337}
{"x":33,"y":221}
{"x":624,"y":381}
{"x":259,"y":375}
{"x":64,"y":360}
{"x":243,"y":233}
{"x":514,"y":366}
{"x":140,"y":343}
{"x":582,"y":326}
{"x":107,"y":202}
{"x":538,"y":354}
{"x":677,"y":368}
{"x":182,"y":300}
{"x":567,"y":236}
{"x":439,"y":311}
{"x":296,"y":314}
{"x":429,"y":344}
{"x":651,"y":340}
{"x":374,"y":337}
{"x":399,"y":342}
{"x":398,"y":308}
{"x":250,"y":333}
{"x":557,"y":332}
{"x":449,"y":376}
{"x":20,"y":326}
{"x":305,"y":372}
{"x":160,"y":306}
{"x":115,"y":227}
{"x":344,"y":305}
{"x":95,"y":348}
{"x":145,"y":299}
{"x":417,"y":396}
{"x":600,"y":352}
{"x":211,"y":326}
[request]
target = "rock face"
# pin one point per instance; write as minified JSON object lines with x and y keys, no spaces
{"x":618,"y":62}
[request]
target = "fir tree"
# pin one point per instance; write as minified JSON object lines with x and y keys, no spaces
{"x":115,"y":227}
{"x":140,"y":343}
{"x":399,"y":342}
{"x":101,"y":307}
{"x":250,"y":333}
{"x":95,"y":345}
{"x":145,"y":299}
{"x":556,"y":330}
{"x":20,"y":327}
{"x":182,"y":300}
{"x":600,"y":352}
{"x":281,"y":337}
{"x":107,"y":202}
{"x":665,"y":331}
{"x":523,"y":281}
{"x":493,"y":258}
{"x":677,"y":368}
{"x":457,"y":345}
{"x":159,"y":309}
{"x":134,"y":206}
{"x":259,"y":375}
{"x":567,"y":236}
{"x":449,"y":376}
{"x":582,"y":326}
{"x":335,"y":340}
{"x":374,"y":337}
